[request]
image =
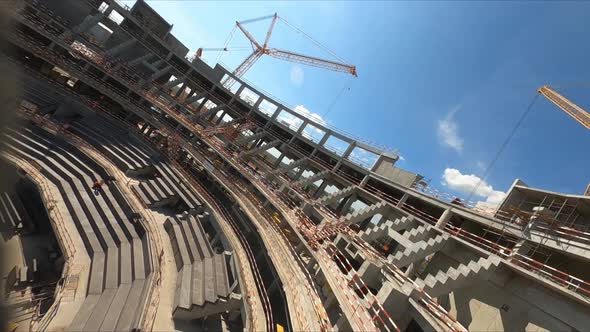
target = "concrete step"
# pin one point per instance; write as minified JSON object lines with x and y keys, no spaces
{"x":262,"y":148}
{"x":8,"y":213}
{"x":418,"y":251}
{"x":286,"y":168}
{"x":73,"y":194}
{"x":118,"y":255}
{"x":369,"y":211}
{"x":108,"y":213}
{"x":175,"y":184}
{"x":462,"y":276}
{"x":330,"y":198}
{"x":83,"y":313}
{"x":222,"y":284}
{"x":178,"y":242}
{"x":419,"y":233}
{"x":250,"y":138}
{"x":311,"y":179}
{"x":101,"y":143}
{"x":119,"y":144}
{"x":116,"y":307}
{"x":383,"y":228}
{"x":205,"y":246}
{"x":128,"y":318}
{"x":198,"y":291}
{"x":210,"y":285}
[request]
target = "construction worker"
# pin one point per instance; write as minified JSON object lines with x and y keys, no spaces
{"x":96,"y":186}
{"x":386,"y":249}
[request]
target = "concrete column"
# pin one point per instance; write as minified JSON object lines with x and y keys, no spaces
{"x":256,"y":105}
{"x":194,"y":97}
{"x":299,"y":173}
{"x":325,"y":138}
{"x":365,"y":180}
{"x":403,"y":200}
{"x":303,"y":125}
{"x":348,"y":203}
{"x":237,"y":94}
{"x":201,"y":105}
{"x":321,"y":189}
{"x":149,"y":131}
{"x":349,"y":150}
{"x":444,"y":218}
{"x":273,"y":117}
{"x":321,"y":143}
{"x":181,"y":90}
{"x":174,"y":82}
{"x":278,"y":161}
{"x":220,"y":117}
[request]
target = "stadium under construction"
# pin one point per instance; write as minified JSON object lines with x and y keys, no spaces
{"x":143,"y":192}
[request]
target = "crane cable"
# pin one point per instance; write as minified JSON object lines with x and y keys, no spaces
{"x":503,"y":146}
{"x":335,"y":100}
{"x":227,"y":40}
{"x":317,"y":43}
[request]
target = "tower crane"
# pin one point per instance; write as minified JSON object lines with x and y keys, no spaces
{"x":260,"y":49}
{"x":566,"y":105}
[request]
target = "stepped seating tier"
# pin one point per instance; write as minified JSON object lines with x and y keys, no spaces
{"x":118,"y":248}
{"x":164,"y":187}
{"x":13,"y":214}
{"x":203,"y":283}
{"x":126,"y":152}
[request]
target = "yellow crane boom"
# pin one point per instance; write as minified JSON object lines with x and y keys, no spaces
{"x":566,"y":105}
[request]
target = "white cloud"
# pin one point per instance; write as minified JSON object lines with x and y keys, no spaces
{"x":311,"y":131}
{"x":468,"y":183}
{"x":310,"y":115}
{"x":401,"y":158}
{"x":297,"y":75}
{"x":448,"y":131}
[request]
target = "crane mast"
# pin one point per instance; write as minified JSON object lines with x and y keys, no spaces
{"x":566,"y":105}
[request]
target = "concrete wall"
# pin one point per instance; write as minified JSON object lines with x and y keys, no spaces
{"x":397,"y":175}
{"x":100,"y":34}
{"x":517,"y":305}
{"x":175,"y":45}
{"x":156,"y":23}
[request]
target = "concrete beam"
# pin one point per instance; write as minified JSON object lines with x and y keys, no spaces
{"x":118,"y":49}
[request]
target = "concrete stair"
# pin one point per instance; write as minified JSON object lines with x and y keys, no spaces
{"x":464,"y":275}
{"x":311,"y":179}
{"x":262,"y":148}
{"x":418,"y":251}
{"x":383,"y":229}
{"x":13,"y":215}
{"x":203,"y":284}
{"x":116,"y":144}
{"x":117,"y":247}
{"x":365,"y":213}
{"x":327,"y":199}
{"x":246,"y":139}
{"x":419,"y":233}
{"x":167,"y":187}
{"x":286,"y":168}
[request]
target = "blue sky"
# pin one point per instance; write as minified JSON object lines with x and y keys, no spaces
{"x":443,"y":82}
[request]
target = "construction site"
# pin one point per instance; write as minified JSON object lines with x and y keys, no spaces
{"x":144,"y":190}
